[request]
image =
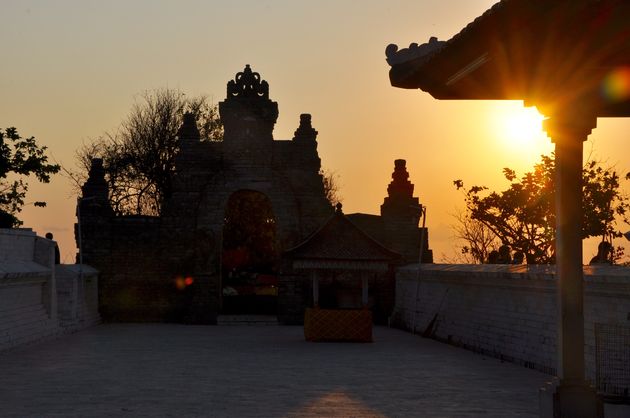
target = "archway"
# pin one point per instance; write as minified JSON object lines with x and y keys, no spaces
{"x":249,"y":255}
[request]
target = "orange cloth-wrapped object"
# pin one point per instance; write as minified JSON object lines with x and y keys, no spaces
{"x":338,"y":325}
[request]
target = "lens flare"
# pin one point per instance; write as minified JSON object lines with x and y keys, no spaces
{"x":182,"y":283}
{"x":616,"y":85}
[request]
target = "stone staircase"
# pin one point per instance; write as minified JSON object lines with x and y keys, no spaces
{"x":247,"y":320}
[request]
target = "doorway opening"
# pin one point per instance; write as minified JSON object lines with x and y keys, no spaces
{"x":249,"y":255}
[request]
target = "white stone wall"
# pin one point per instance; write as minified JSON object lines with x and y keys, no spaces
{"x":77,"y":296}
{"x":27,"y":288}
{"x":17,"y":245}
{"x":37,"y":298}
{"x":23,"y":316}
{"x":506,"y":311}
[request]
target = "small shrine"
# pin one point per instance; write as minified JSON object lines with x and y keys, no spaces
{"x":342,"y":263}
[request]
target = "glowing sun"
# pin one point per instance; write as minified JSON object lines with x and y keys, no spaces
{"x":519,"y":126}
{"x":517,"y":134}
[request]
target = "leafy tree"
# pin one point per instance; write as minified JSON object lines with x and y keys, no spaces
{"x":523,"y":216}
{"x":20,"y":158}
{"x":139,"y":157}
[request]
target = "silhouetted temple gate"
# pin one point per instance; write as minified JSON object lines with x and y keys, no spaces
{"x":176,"y":267}
{"x":169,"y":267}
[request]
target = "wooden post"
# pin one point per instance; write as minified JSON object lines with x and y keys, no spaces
{"x":364,"y":290}
{"x":315,"y":280}
{"x":575,"y":398}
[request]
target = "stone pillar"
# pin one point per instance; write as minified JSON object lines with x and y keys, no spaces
{"x":573,"y":396}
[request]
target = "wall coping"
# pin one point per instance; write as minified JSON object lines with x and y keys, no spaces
{"x":21,"y":268}
{"x":598,"y":273}
{"x":76,"y":269}
{"x":26,"y":232}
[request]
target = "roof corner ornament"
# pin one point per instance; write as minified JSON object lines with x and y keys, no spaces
{"x":248,"y":84}
{"x":415,"y":51}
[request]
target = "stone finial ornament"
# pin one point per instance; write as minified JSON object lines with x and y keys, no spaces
{"x":189,"y":130}
{"x":305,"y":130}
{"x":400,"y":185}
{"x":95,"y":191}
{"x":248,"y":85}
{"x":96,"y":183}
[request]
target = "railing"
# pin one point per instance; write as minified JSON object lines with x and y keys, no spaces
{"x":612,"y":345}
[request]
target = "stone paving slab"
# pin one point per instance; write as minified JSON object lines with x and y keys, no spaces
{"x":257,"y":371}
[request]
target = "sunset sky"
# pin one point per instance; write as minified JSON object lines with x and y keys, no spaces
{"x":72,"y":69}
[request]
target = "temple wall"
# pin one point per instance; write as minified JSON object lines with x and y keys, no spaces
{"x":39,"y":299}
{"x":506,"y":311}
{"x":142,"y":267}
{"x":130,"y":267}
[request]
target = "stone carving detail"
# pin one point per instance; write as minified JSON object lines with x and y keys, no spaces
{"x":248,"y":84}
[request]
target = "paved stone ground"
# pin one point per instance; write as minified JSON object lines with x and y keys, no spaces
{"x":262,"y":371}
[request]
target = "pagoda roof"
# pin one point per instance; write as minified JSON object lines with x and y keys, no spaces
{"x":341,"y":244}
{"x":547,"y":53}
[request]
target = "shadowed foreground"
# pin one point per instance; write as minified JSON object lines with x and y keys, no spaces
{"x":266,"y":371}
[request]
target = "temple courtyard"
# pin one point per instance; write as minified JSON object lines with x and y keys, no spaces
{"x":262,"y":371}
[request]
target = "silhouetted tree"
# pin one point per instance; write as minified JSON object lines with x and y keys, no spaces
{"x":479,"y":240}
{"x":523,"y":216}
{"x":139,"y":157}
{"x":331,"y":186}
{"x":19,"y":158}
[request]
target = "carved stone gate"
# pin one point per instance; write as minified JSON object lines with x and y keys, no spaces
{"x":144,"y":260}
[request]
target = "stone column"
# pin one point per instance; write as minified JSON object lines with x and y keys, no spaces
{"x":573,"y":396}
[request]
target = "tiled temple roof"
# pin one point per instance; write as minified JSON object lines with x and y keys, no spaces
{"x":340,"y":240}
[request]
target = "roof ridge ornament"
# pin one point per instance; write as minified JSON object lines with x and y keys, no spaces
{"x":415,"y":51}
{"x":248,"y":85}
